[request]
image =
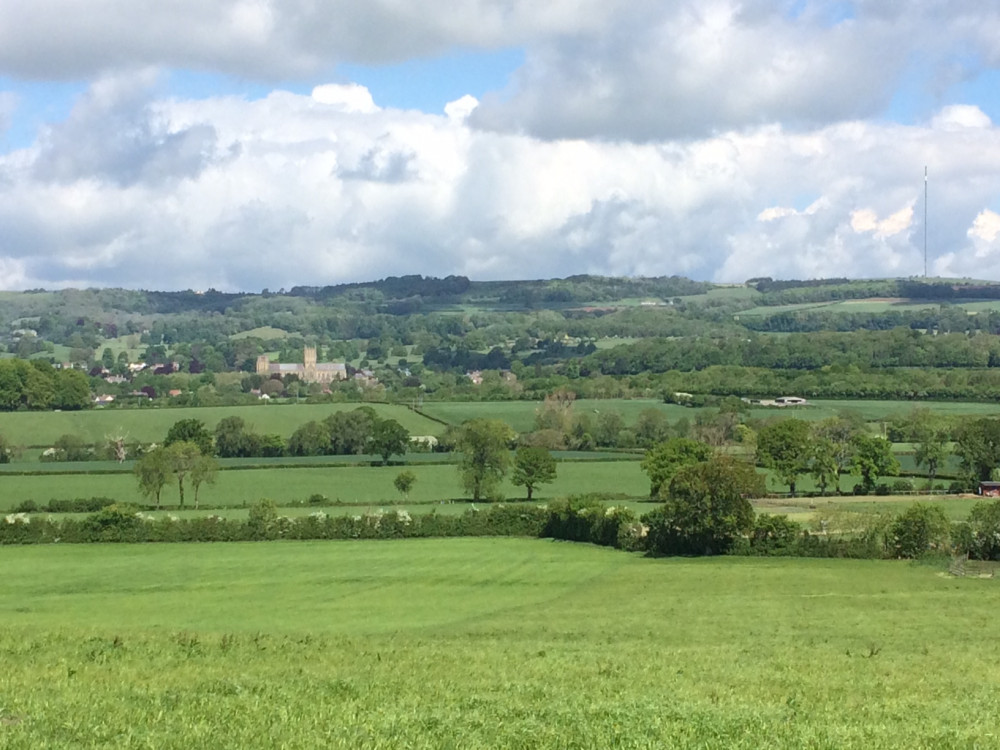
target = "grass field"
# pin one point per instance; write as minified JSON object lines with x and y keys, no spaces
{"x":151,"y":424}
{"x":487,"y":644}
{"x":872,"y":305}
{"x":521,"y":414}
{"x":349,"y":484}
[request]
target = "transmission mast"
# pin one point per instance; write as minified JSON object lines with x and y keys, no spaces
{"x":925,"y":221}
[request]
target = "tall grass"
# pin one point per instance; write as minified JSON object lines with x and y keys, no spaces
{"x":487,"y":644}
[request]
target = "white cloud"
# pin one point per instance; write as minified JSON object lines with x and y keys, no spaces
{"x":959,"y":117}
{"x":986,"y":227}
{"x":348,"y":98}
{"x":289,"y":189}
{"x":866,"y":220}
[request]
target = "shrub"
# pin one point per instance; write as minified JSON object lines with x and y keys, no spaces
{"x":980,"y":536}
{"x":920,"y":529}
{"x":774,"y":535}
{"x":902,"y":485}
{"x":262,"y":520}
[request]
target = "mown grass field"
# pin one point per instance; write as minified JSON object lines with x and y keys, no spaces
{"x":152,"y":424}
{"x":496,"y":643}
{"x":348,"y":484}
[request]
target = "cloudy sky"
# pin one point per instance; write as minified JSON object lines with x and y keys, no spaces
{"x":243,"y":144}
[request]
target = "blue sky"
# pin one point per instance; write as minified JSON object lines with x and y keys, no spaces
{"x":193,"y":145}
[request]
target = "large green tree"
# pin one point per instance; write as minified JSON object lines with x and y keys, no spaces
{"x":784,"y":446}
{"x":484,"y":445}
{"x":707,"y":508}
{"x":873,"y":458}
{"x":823,"y":465}
{"x":389,"y":438}
{"x":235,"y":439}
{"x":662,"y":461}
{"x":977,"y":444}
{"x":532,"y":466}
{"x":190,"y":431}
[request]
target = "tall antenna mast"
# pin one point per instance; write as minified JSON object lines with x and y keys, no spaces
{"x":925,"y":221}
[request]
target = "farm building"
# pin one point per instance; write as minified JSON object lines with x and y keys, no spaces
{"x":989,"y":489}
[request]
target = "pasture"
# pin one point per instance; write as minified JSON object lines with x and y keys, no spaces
{"x":487,"y":643}
{"x":150,"y":424}
{"x":366,"y":485}
{"x":520,"y":415}
{"x":872,"y":305}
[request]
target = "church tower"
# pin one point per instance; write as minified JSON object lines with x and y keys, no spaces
{"x":309,"y":358}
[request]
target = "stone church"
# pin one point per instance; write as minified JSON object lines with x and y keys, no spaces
{"x":309,"y":372}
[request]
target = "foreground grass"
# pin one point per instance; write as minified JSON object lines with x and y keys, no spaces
{"x":486,"y":643}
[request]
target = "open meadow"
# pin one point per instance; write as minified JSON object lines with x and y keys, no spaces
{"x":151,"y":424}
{"x":345,"y":483}
{"x":487,"y":643}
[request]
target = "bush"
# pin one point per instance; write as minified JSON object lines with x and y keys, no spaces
{"x":902,"y":485}
{"x":774,"y":535}
{"x":585,"y":518}
{"x":980,"y":535}
{"x":920,"y":529}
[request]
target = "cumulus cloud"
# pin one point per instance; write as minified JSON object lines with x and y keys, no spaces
{"x":669,"y":70}
{"x":268,"y":39}
{"x":138,"y":190}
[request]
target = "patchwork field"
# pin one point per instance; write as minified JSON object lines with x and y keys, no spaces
{"x":487,"y":644}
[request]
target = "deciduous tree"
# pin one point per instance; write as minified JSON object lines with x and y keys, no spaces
{"x":707,"y":508}
{"x":664,"y":460}
{"x":190,"y":431}
{"x":872,"y":459}
{"x":389,"y":438}
{"x":484,"y":444}
{"x":784,"y":447}
{"x":532,"y":466}
{"x":404,"y":482}
{"x":152,"y":472}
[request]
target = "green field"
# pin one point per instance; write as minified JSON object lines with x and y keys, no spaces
{"x":151,"y":424}
{"x":872,"y":305}
{"x":266,"y":333}
{"x":875,"y":411}
{"x":348,"y":484}
{"x":521,"y":414}
{"x":487,"y":644}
